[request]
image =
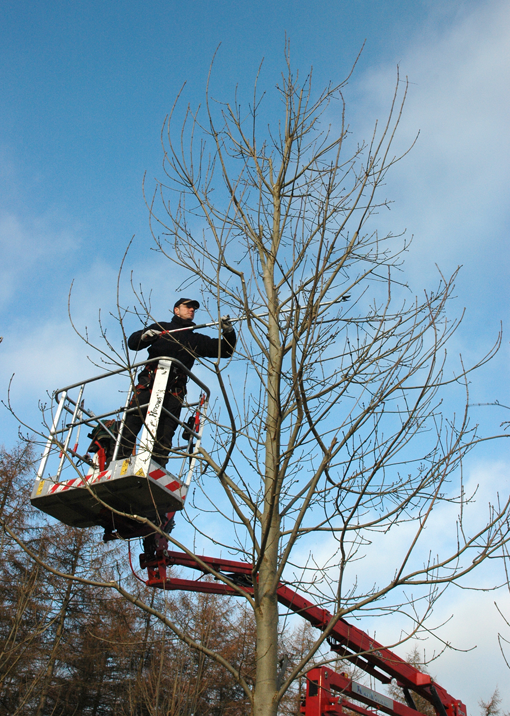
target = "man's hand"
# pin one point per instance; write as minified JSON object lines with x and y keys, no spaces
{"x":226,"y":325}
{"x":150,"y":334}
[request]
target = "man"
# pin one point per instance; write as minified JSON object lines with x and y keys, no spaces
{"x":185,"y":346}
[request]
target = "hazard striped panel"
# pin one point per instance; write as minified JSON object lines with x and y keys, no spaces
{"x":126,"y":486}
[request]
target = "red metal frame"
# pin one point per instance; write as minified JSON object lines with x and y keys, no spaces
{"x":320,"y":700}
{"x":344,"y":638}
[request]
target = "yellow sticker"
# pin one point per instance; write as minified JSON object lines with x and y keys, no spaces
{"x":40,"y":487}
{"x":140,"y":473}
{"x":124,"y":467}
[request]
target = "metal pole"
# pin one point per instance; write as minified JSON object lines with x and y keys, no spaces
{"x":243,"y":318}
{"x":53,"y":430}
{"x":150,"y":428}
{"x":77,"y":410}
{"x":120,"y":431}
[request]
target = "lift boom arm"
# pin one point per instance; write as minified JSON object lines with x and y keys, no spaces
{"x":343,"y":638}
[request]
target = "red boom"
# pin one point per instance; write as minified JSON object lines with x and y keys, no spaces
{"x":343,"y":638}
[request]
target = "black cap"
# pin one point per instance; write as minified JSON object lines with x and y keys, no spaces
{"x":191,"y":301}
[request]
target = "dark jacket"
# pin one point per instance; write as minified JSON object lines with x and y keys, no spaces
{"x":185,"y":346}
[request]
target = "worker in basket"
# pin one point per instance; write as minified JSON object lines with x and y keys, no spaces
{"x":185,"y":346}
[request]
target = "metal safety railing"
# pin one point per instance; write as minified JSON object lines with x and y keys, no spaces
{"x":64,"y":436}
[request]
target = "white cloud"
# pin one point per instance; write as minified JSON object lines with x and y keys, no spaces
{"x":451,"y":191}
{"x":28,"y":244}
{"x":474,"y":667}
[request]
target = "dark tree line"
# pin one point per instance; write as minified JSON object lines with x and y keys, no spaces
{"x":68,"y":648}
{"x":73,"y":649}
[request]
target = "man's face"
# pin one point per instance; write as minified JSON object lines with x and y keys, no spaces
{"x":185,"y":311}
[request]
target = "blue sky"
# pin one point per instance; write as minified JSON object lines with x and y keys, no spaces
{"x":85,"y":87}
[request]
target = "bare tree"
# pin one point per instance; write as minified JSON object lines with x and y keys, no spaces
{"x":339,"y":439}
{"x":492,"y":707}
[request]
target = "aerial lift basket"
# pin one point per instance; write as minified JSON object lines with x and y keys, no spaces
{"x":82,"y":491}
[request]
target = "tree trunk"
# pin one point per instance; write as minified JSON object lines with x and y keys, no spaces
{"x":48,"y":675}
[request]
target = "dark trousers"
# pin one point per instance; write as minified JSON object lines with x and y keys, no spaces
{"x":166,"y":427}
